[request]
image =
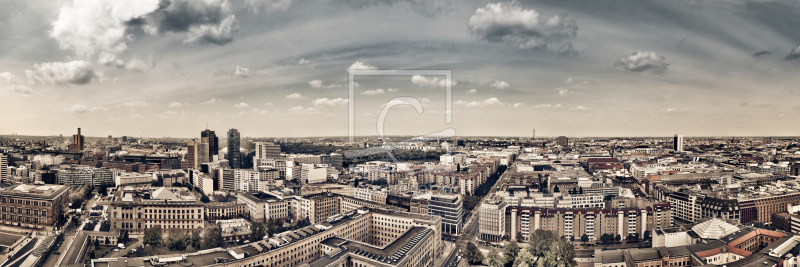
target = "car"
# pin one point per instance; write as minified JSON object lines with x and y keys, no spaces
{"x":116,"y":250}
{"x":57,"y":252}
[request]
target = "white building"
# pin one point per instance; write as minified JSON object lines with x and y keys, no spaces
{"x":492,"y":220}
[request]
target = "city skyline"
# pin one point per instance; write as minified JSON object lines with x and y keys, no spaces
{"x":279,"y":68}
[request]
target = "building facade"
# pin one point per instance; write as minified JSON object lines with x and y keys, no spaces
{"x":33,"y":206}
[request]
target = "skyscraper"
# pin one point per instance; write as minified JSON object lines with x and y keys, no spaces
{"x":210,"y":138}
{"x":562,"y":141}
{"x":267,"y":150}
{"x":77,"y":142}
{"x":3,"y":167}
{"x":234,"y":143}
{"x":191,"y":155}
{"x":677,"y":143}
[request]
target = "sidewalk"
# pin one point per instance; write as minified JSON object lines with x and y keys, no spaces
{"x":448,"y":247}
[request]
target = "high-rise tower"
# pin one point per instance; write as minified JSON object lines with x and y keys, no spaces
{"x":677,"y":143}
{"x":234,"y":143}
{"x":210,"y":138}
{"x":77,"y":142}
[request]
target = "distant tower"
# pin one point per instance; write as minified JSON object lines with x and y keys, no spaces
{"x":77,"y":142}
{"x":210,"y":138}
{"x":677,"y":143}
{"x":234,"y":143}
{"x":562,"y":141}
{"x":534,"y":134}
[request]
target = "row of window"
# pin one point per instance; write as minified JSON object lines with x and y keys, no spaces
{"x":13,"y":218}
{"x":24,"y":202}
{"x":20,"y":211}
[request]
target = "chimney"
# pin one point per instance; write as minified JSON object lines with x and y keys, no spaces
{"x":79,"y":131}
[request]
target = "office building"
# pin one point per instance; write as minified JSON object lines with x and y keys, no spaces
{"x":677,"y":143}
{"x":267,"y":150}
{"x":172,"y":209}
{"x":85,"y":175}
{"x":492,"y":220}
{"x":210,"y":138}
{"x":33,"y":206}
{"x":562,"y":141}
{"x":263,"y":206}
{"x":225,"y":210}
{"x":191,"y":156}
{"x":202,"y":154}
{"x":77,"y":142}
{"x":3,"y":167}
{"x":234,"y":144}
{"x":451,"y":209}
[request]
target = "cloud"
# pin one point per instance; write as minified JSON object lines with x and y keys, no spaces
{"x":89,"y":27}
{"x":643,"y":61}
{"x":177,"y":105}
{"x":563,"y":91}
{"x":794,"y":54}
{"x":432,"y":82}
{"x":269,"y":5}
{"x":294,"y":96}
{"x":486,"y":103}
{"x":358,"y":65}
{"x":424,"y":7}
{"x":578,"y":108}
{"x":242,"y":72}
{"x":74,"y":72}
{"x":212,"y":101}
{"x":374,"y":92}
{"x":500,"y":85}
{"x":568,"y":81}
{"x":208,"y":21}
{"x":303,"y":61}
{"x":525,"y":28}
{"x":11,"y":83}
{"x":516,"y":105}
{"x":318,"y":84}
{"x":140,"y":65}
{"x":241,"y":105}
{"x":392,"y":90}
{"x":136,"y":104}
{"x":762,"y":53}
{"x":78,"y":108}
{"x":547,"y":106}
{"x":472,"y":91}
{"x":330,"y":102}
{"x":268,"y":104}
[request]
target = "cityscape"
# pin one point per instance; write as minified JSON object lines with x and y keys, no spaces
{"x":403,"y":133}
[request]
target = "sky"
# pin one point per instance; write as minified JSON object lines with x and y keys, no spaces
{"x":279,"y":68}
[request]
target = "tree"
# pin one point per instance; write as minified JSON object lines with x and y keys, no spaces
{"x":630,"y":236}
{"x":555,"y":189}
{"x":177,"y":184}
{"x":647,"y":235}
{"x":458,"y":167}
{"x":510,"y":253}
{"x":560,"y":253}
{"x":585,"y":238}
{"x":205,"y":199}
{"x":91,"y":255}
{"x":152,"y":237}
{"x":580,"y":191}
{"x":759,"y":224}
{"x":494,"y":259}
{"x":473,"y":255}
{"x":108,"y":242}
{"x":124,"y":237}
{"x":618,"y":238}
{"x":214,"y":237}
{"x":258,"y":232}
{"x":96,"y":243}
{"x":519,"y":237}
{"x":525,"y":259}
{"x":195,"y":240}
{"x":540,"y":242}
{"x":303,"y":223}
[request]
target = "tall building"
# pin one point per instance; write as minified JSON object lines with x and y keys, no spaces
{"x":267,"y":150}
{"x":562,"y":141}
{"x":191,"y":155}
{"x":77,"y":142}
{"x":210,"y":138}
{"x":202,"y":154}
{"x":3,"y":167}
{"x":677,"y":143}
{"x":451,"y":209}
{"x":124,"y":139}
{"x":234,"y":143}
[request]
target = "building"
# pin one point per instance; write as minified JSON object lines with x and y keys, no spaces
{"x":126,"y":179}
{"x":3,"y":167}
{"x":234,"y":144}
{"x":225,"y":210}
{"x":492,"y":216}
{"x":201,"y":156}
{"x":82,"y":175}
{"x":263,"y":206}
{"x":313,"y":174}
{"x":562,"y":141}
{"x":318,"y":207}
{"x":33,"y":206}
{"x":267,"y":150}
{"x":451,"y":209}
{"x":677,"y":143}
{"x":172,"y":209}
{"x":77,"y":142}
{"x":210,"y":138}
{"x":191,"y":156}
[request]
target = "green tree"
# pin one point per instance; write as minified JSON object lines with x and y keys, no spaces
{"x":510,"y":253}
{"x":525,"y":259}
{"x":205,"y":199}
{"x":258,"y":232}
{"x":108,"y":242}
{"x":540,"y":242}
{"x":494,"y":259}
{"x":125,"y":238}
{"x":629,"y":237}
{"x":213,"y":237}
{"x":152,"y":237}
{"x":520,"y":238}
{"x":91,"y":255}
{"x":303,"y":223}
{"x":585,"y":238}
{"x":473,"y":255}
{"x":196,"y":239}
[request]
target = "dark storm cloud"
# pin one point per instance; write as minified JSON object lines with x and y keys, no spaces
{"x":794,"y":54}
{"x":761,"y":53}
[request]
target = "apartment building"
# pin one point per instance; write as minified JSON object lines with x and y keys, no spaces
{"x":370,"y":195}
{"x":81,"y":175}
{"x":33,"y":206}
{"x":172,"y":209}
{"x":263,"y":206}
